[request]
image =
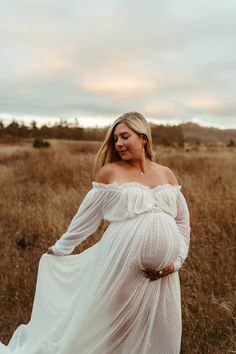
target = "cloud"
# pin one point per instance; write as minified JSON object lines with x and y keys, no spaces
{"x":168,"y":60}
{"x":117,"y":88}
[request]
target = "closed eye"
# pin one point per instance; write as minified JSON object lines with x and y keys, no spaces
{"x":125,"y":137}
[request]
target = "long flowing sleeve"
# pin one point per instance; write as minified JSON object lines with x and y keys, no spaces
{"x":84,"y":223}
{"x":183,"y":223}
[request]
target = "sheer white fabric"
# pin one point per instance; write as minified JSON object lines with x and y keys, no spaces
{"x":99,"y":302}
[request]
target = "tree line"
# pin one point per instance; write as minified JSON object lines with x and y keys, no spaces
{"x":165,"y":135}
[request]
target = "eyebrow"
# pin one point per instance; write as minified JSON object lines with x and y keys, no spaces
{"x":125,"y":132}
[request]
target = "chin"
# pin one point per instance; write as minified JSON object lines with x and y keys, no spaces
{"x":124,"y":158}
{"x":127,"y":159}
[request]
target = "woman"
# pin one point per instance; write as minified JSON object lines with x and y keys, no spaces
{"x":122,"y":295}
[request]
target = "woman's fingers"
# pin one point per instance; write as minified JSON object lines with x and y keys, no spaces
{"x":154,"y":274}
{"x":167,"y":270}
{"x":50,"y":250}
{"x":151,"y":274}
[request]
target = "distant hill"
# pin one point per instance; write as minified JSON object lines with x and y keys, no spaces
{"x":161,"y":134}
{"x":195,"y":133}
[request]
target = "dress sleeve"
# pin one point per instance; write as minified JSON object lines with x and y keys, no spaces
{"x":183,"y":223}
{"x":84,"y":223}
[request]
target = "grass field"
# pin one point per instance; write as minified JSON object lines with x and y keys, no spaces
{"x":41,"y":191}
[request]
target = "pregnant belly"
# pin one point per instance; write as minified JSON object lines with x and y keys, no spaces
{"x":148,"y":241}
{"x":161,"y":244}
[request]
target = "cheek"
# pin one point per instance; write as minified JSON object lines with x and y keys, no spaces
{"x":134,"y":144}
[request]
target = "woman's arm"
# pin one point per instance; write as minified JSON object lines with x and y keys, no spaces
{"x":183,"y":223}
{"x":83,"y":224}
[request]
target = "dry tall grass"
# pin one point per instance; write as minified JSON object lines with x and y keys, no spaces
{"x":40,"y":192}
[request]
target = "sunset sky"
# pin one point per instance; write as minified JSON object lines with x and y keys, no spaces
{"x":171,"y":60}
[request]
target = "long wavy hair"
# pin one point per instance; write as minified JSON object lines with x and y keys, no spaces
{"x":107,"y":152}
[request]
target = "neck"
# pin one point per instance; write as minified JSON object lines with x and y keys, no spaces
{"x":140,"y":165}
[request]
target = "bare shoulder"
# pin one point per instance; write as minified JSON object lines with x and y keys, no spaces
{"x":167,"y":173}
{"x":106,"y":173}
{"x":170,"y":175}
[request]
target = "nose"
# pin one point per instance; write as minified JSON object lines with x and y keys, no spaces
{"x":119,"y":142}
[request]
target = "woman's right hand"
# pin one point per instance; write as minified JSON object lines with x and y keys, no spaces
{"x":49,"y":251}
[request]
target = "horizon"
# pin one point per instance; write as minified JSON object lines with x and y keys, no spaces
{"x":93,"y":122}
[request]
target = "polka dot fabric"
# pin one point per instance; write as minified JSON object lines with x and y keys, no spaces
{"x":100,"y":302}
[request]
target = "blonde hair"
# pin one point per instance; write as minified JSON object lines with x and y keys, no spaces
{"x":107,"y":152}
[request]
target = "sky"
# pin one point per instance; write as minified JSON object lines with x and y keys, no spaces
{"x":174,"y":61}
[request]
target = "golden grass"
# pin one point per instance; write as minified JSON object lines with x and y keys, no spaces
{"x":41,"y":191}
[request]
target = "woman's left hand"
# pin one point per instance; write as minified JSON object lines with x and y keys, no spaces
{"x":50,"y":251}
{"x":154,"y":274}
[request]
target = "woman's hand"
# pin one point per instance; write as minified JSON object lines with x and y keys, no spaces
{"x":49,"y":251}
{"x":154,"y":274}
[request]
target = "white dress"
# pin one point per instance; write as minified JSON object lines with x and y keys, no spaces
{"x":99,"y":301}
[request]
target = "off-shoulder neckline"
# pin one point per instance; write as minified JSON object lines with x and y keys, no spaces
{"x":121,"y":185}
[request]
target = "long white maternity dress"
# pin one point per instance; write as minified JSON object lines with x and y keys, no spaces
{"x":99,"y":301}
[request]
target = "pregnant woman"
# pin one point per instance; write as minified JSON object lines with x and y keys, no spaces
{"x":122,"y":295}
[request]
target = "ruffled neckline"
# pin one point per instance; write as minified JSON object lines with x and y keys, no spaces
{"x":117,"y":185}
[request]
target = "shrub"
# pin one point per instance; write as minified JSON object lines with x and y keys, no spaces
{"x":231,"y":143}
{"x":40,"y":143}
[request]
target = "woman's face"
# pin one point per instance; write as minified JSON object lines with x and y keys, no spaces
{"x":128,"y":144}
